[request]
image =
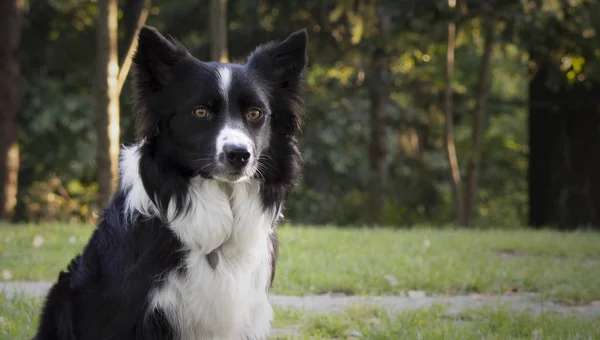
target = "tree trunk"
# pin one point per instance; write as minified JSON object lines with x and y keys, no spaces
{"x":481,"y":91}
{"x":10,"y":38}
{"x":564,"y":171}
{"x":107,"y":111}
{"x":379,"y":94}
{"x":449,"y":124}
{"x":111,"y":78}
{"x":379,"y":80}
{"x":218,"y":31}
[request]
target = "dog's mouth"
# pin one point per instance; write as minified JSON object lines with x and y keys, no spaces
{"x":231,"y":178}
{"x":234,"y":175}
{"x":228,"y":176}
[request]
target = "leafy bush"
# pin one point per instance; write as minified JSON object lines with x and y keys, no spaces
{"x":52,"y":200}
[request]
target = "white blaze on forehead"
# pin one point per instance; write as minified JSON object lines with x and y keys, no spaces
{"x":224,"y":74}
{"x":231,"y":136}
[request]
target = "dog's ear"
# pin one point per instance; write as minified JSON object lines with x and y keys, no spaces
{"x":152,"y":69}
{"x":154,"y":59}
{"x":282,"y":63}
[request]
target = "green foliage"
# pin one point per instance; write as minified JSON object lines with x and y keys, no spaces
{"x":51,"y":200}
{"x":563,"y":34}
{"x":57,"y":108}
{"x":336,"y":137}
{"x":56,"y":117}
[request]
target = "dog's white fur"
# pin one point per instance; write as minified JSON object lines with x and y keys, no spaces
{"x":224,"y":75}
{"x":231,"y":135}
{"x":230,"y":301}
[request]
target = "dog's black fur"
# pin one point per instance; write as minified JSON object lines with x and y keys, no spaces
{"x":104,"y":293}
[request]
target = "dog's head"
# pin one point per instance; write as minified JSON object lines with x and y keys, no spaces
{"x":218,"y":120}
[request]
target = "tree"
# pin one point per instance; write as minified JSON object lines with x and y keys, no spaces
{"x":10,"y":37}
{"x":477,"y":130}
{"x":564,"y":173}
{"x":110,"y":80}
{"x":107,"y":112}
{"x":340,"y":182}
{"x":564,"y":117}
{"x":455,"y":177}
{"x":218,"y":31}
{"x":379,"y":80}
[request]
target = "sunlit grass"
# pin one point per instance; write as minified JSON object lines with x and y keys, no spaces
{"x":24,"y":259}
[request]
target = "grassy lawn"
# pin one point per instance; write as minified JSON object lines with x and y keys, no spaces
{"x":18,"y":319}
{"x":435,"y":323}
{"x":561,"y":266}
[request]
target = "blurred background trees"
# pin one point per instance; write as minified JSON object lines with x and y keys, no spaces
{"x":10,"y":38}
{"x":398,"y":91}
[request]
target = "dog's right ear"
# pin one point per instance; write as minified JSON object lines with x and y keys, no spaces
{"x":151,"y":71}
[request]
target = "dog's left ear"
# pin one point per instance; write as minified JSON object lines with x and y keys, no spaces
{"x":152,"y":69}
{"x":154,"y":59}
{"x":282,"y":63}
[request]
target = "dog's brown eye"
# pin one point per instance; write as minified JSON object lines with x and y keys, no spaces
{"x":254,"y":114}
{"x":201,"y":112}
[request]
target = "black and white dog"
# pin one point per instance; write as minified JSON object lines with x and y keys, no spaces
{"x":186,"y":249}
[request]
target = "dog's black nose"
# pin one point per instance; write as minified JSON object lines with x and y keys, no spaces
{"x":236,"y":155}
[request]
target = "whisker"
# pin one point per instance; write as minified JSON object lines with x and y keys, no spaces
{"x":259,"y":171}
{"x":268,"y":162}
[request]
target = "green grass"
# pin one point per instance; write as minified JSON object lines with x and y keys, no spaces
{"x":561,"y":266}
{"x":19,"y":315}
{"x":26,"y":262}
{"x":435,"y":323}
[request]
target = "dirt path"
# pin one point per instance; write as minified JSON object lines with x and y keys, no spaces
{"x":394,"y":304}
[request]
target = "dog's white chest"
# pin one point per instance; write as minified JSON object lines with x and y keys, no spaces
{"x":230,"y":300}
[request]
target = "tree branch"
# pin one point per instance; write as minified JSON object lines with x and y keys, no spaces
{"x":455,"y":178}
{"x":124,"y":69}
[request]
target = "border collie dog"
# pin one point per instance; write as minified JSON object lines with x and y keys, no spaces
{"x":186,"y":248}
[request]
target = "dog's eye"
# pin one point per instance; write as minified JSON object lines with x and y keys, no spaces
{"x":200,"y":112}
{"x":254,"y":114}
